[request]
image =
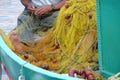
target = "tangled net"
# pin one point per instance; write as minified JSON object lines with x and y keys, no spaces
{"x":71,"y":43}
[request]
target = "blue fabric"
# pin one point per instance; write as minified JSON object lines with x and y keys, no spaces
{"x":28,"y":25}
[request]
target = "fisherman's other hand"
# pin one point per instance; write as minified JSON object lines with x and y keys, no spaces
{"x":31,"y":8}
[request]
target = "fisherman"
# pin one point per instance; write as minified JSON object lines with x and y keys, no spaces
{"x":38,"y":15}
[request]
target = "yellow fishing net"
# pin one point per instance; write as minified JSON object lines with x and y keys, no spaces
{"x":6,"y":39}
{"x":71,"y":43}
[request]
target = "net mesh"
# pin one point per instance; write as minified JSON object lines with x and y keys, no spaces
{"x":70,"y":43}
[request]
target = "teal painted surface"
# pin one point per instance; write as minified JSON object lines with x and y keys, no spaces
{"x":0,"y":67}
{"x":14,"y":64}
{"x":108,"y":22}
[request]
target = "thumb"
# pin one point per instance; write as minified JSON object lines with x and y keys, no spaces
{"x":32,"y":6}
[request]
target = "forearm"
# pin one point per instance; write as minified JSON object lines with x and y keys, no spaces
{"x":59,"y":5}
{"x":25,"y":2}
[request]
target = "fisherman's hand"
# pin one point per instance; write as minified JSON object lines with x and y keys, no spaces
{"x":43,"y":10}
{"x":31,"y":8}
